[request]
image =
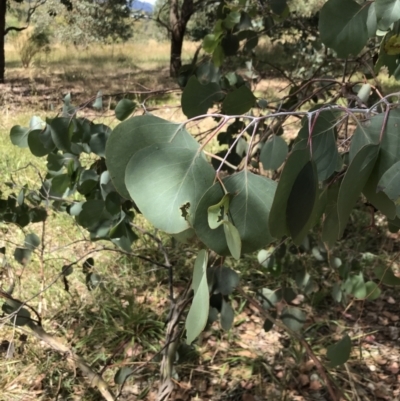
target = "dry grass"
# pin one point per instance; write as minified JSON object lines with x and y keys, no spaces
{"x":84,"y":71}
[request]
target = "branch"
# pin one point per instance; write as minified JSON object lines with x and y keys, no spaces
{"x":31,"y":11}
{"x":14,"y":28}
{"x":158,"y":19}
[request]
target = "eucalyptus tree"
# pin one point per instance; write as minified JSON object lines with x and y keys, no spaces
{"x":264,"y":186}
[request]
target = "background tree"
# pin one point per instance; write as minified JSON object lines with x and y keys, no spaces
{"x":26,"y":11}
{"x":83,"y":22}
{"x":174,"y":16}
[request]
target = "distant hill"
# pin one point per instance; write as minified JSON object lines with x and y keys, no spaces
{"x":142,"y":5}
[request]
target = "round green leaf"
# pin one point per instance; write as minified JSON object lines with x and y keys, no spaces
{"x":55,"y":161}
{"x":210,"y":42}
{"x":198,"y":98}
{"x":294,"y":318}
{"x":390,"y":183}
{"x":389,"y":154}
{"x":198,"y":313}
{"x":166,"y":181}
{"x":337,"y":292}
{"x":19,"y":136}
{"x":123,"y":236}
{"x":67,"y":270}
{"x":249,"y":209}
{"x":266,"y":258}
{"x":32,"y":241}
{"x":302,"y":279}
{"x":22,"y":255}
{"x":354,"y":181}
{"x":212,"y":315}
{"x":23,"y":316}
{"x":38,"y":214}
{"x":315,"y":251}
{"x":339,"y":353}
{"x":98,"y":143}
{"x":222,"y":280}
{"x":323,"y":142}
{"x":216,"y":212}
{"x":278,"y":6}
{"x":387,"y":12}
{"x":231,"y":19}
{"x":373,"y":291}
{"x":98,"y":103}
{"x":134,"y":134}
{"x":251,"y":41}
{"x":355,"y":286}
{"x":294,"y":164}
{"x":40,"y":142}
{"x":106,"y":185}
{"x":59,"y":185}
{"x":93,"y":214}
{"x":364,"y":92}
{"x":124,"y":109}
{"x":230,"y":45}
{"x":270,"y":298}
{"x":268,"y":325}
{"x":301,"y":202}
{"x":207,"y":72}
{"x":386,"y":276}
{"x":372,"y":24}
{"x":93,"y":281}
{"x":200,"y":266}
{"x":122,"y":374}
{"x":273,"y":153}
{"x":227,"y":315}
{"x":343,"y":26}
{"x":238,"y":102}
{"x":232,"y":237}
{"x":61,"y":132}
{"x":330,"y":229}
{"x":88,"y":180}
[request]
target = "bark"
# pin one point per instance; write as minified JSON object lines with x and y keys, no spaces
{"x":178,"y":19}
{"x":3,"y":11}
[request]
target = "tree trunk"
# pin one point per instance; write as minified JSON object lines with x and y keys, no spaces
{"x":178,"y":20}
{"x":3,"y":11}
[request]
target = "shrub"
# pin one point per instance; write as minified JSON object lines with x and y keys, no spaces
{"x":30,"y":43}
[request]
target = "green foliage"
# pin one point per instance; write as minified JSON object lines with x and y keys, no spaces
{"x":64,"y":140}
{"x":84,"y":22}
{"x":343,"y":26}
{"x":197,"y":98}
{"x":293,"y":318}
{"x":122,"y":374}
{"x":273,"y":153}
{"x":249,"y":209}
{"x":21,"y":316}
{"x":198,"y":313}
{"x":339,"y":353}
{"x":124,"y":109}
